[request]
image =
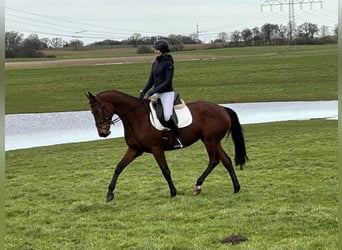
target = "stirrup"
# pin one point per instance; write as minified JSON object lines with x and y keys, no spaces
{"x":179,"y":145}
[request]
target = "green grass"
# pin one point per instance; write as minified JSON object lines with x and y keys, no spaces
{"x":231,"y":75}
{"x":55,"y":196}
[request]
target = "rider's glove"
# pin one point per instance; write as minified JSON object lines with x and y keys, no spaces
{"x":141,"y":95}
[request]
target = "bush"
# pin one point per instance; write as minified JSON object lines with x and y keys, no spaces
{"x":30,"y":53}
{"x":177,"y":47}
{"x":11,"y":53}
{"x":144,"y":49}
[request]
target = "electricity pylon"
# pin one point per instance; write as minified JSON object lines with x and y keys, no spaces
{"x":290,"y":4}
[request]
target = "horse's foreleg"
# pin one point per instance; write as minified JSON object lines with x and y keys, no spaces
{"x":159,"y":155}
{"x":227,"y":162}
{"x":130,"y":155}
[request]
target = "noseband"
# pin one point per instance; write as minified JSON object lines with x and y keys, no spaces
{"x":105,"y":111}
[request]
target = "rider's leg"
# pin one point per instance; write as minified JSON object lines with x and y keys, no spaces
{"x":167,"y":99}
{"x":174,"y":127}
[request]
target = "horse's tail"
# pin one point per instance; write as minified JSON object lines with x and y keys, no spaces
{"x":238,"y":138}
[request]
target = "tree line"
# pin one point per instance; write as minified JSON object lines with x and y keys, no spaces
{"x":32,"y":46}
{"x":268,"y":34}
{"x":274,"y":34}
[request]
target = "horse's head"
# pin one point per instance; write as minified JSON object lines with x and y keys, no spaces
{"x":102,"y":115}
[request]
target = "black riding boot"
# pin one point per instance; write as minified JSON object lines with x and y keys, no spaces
{"x":174,"y":127}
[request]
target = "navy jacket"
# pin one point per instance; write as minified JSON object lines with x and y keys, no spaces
{"x":161,"y":75}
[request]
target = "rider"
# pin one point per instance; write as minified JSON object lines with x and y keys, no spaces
{"x":161,"y":79}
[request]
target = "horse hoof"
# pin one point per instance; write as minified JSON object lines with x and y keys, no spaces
{"x":173,"y":194}
{"x":197,"y":190}
{"x":110,"y":197}
{"x":236,"y":190}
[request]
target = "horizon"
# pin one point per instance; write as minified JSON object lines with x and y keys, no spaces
{"x":119,"y":21}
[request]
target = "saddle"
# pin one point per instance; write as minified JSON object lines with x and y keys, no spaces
{"x":181,"y":113}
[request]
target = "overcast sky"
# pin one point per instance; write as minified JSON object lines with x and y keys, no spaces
{"x":91,"y":21}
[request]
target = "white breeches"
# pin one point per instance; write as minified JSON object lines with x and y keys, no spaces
{"x":166,"y":99}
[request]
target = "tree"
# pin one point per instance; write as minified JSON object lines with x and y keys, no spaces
{"x":307,"y":30}
{"x":176,"y":42}
{"x":135,"y":38}
{"x":32,"y":42}
{"x":235,"y":36}
{"x":56,"y":42}
{"x":266,"y":32}
{"x":13,"y":43}
{"x":223,"y":37}
{"x":75,"y":43}
{"x":30,"y":47}
{"x":336,"y":30}
{"x":269,"y":32}
{"x":246,"y":35}
{"x":324,"y":31}
{"x":256,"y":35}
{"x":44,"y":43}
{"x":192,"y":38}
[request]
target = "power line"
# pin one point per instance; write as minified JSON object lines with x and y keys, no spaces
{"x":67,"y":22}
{"x":290,"y":4}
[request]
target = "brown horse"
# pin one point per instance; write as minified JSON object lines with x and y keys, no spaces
{"x":210,"y":123}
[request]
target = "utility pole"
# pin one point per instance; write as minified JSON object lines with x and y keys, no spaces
{"x":290,"y":4}
{"x":197,"y":32}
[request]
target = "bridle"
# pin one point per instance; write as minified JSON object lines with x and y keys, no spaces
{"x":105,"y":111}
{"x":106,"y":119}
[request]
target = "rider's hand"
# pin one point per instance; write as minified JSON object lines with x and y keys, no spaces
{"x":141,"y":95}
{"x":151,"y":93}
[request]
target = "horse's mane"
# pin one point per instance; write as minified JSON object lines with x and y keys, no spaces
{"x":116,"y":92}
{"x":113,"y":90}
{"x":132,"y":99}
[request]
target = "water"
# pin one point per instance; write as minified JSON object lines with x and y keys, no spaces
{"x":44,"y":129}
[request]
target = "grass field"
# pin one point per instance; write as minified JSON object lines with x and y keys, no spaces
{"x":55,"y":196}
{"x":227,"y":75}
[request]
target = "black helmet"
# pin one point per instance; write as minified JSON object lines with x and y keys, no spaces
{"x":162,"y":45}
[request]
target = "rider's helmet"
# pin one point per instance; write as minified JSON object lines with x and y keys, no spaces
{"x":162,"y":45}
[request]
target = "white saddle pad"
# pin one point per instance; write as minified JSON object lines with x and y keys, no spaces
{"x":183,"y":114}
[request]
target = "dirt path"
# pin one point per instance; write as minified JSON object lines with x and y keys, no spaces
{"x":98,"y":61}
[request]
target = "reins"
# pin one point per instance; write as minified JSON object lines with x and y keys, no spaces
{"x":123,"y":115}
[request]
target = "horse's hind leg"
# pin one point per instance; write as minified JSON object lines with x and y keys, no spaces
{"x":200,"y":180}
{"x":227,"y":162}
{"x":213,"y":162}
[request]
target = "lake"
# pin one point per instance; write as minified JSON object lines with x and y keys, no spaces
{"x":45,"y":129}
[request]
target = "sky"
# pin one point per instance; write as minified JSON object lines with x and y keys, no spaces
{"x":91,"y":21}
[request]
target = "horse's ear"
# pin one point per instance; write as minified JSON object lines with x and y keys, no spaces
{"x":90,"y":96}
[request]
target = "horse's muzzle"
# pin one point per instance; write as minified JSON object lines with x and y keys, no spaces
{"x":104,"y":135}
